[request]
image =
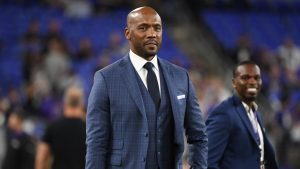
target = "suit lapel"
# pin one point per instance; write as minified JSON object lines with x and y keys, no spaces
{"x":245,"y":119}
{"x":260,"y":122}
{"x":129,"y":79}
{"x":168,"y":75}
{"x":259,"y":119}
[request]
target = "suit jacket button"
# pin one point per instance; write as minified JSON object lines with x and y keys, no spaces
{"x":144,"y":159}
{"x":146,"y":134}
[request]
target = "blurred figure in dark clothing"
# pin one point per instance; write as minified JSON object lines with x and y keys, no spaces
{"x":32,"y":61}
{"x":85,"y":51}
{"x":243,"y":50}
{"x":65,"y":138}
{"x":32,"y":39}
{"x":20,"y":147}
{"x":54,"y":31}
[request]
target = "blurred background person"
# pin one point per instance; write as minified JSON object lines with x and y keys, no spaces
{"x":19,"y":146}
{"x":236,"y":134}
{"x":64,"y":139}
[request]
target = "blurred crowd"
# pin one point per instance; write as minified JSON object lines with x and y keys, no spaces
{"x":49,"y":66}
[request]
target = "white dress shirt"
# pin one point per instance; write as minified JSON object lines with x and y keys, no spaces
{"x":256,"y":127}
{"x":138,"y":62}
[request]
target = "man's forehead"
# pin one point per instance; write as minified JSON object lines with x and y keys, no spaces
{"x":140,"y":16}
{"x":143,"y":16}
{"x":248,"y":69}
{"x":134,"y":15}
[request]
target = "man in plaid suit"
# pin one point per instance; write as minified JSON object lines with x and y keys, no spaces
{"x":140,"y":106}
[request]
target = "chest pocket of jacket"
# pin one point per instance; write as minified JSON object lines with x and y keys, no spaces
{"x":115,"y":159}
{"x":116,"y":152}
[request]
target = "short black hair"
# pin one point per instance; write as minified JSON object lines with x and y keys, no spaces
{"x":246,"y":62}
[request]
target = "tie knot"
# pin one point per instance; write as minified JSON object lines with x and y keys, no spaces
{"x":148,"y":66}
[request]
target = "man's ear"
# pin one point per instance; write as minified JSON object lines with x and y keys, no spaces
{"x":127,"y":33}
{"x":233,"y":83}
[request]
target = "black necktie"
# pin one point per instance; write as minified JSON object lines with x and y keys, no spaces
{"x":152,"y":84}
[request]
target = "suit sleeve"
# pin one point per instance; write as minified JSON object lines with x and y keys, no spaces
{"x":218,"y":131}
{"x":97,"y":125}
{"x":195,"y":131}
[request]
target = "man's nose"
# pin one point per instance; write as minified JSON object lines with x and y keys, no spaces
{"x":151,"y":32}
{"x":252,"y":80}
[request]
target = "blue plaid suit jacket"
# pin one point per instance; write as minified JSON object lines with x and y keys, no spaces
{"x":116,"y":120}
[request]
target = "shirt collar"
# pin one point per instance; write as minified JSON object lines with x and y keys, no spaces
{"x":138,"y":62}
{"x":254,"y":106}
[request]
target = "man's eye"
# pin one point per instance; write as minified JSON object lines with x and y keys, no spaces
{"x":158,"y":29}
{"x":257,"y":77}
{"x":142,"y":28}
{"x":244,"y":77}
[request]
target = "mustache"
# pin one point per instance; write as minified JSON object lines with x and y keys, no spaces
{"x":151,"y":42}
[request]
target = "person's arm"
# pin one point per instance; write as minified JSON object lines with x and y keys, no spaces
{"x":195,"y":131}
{"x":218,"y":132}
{"x":42,"y":156}
{"x":97,"y":124}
